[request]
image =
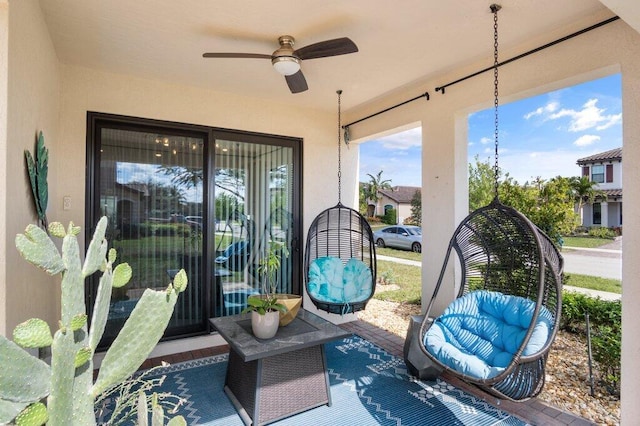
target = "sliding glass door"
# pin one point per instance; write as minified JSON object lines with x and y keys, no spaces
{"x":255,"y":205}
{"x":195,"y":198}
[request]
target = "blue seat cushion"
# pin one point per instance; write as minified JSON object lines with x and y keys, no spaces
{"x":330,"y":281}
{"x":478,"y":334}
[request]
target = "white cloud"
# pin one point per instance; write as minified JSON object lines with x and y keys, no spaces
{"x":403,"y":140}
{"x":612,"y":120}
{"x":547,"y":109}
{"x":525,"y":167}
{"x":586,"y":140}
{"x":485,"y":140}
{"x":588,"y":117}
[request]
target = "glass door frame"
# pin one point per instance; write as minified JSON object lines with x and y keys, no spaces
{"x":96,"y":121}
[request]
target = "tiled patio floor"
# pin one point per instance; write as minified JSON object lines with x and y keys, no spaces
{"x":533,"y":411}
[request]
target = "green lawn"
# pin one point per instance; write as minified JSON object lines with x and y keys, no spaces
{"x":406,"y":277}
{"x":594,"y":283}
{"x":585,"y":242}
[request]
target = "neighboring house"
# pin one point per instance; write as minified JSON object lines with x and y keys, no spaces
{"x":398,"y":198}
{"x":605,"y":169}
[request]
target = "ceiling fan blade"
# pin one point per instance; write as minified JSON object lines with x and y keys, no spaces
{"x":297,"y":83}
{"x":323,"y":49}
{"x":236,"y":55}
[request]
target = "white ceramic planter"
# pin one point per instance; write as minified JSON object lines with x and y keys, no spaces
{"x":265,"y":326}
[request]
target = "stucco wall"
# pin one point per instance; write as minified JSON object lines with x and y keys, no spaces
{"x":613,"y":48}
{"x":32,"y":106}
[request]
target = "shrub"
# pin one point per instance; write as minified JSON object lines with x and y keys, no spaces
{"x":605,"y":343}
{"x":374,"y":220}
{"x":601,"y":232}
{"x":390,"y":217}
{"x":605,"y":318}
{"x":387,"y":277}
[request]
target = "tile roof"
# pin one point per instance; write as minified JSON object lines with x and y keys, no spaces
{"x":612,"y":193}
{"x":400,"y":194}
{"x":614,"y":154}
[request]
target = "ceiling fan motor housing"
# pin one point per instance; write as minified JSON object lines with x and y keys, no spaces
{"x":283,"y":59}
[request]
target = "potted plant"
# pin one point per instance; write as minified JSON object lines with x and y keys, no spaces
{"x":271,"y":267}
{"x":265,"y":308}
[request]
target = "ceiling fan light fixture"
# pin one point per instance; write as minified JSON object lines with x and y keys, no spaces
{"x":286,"y":65}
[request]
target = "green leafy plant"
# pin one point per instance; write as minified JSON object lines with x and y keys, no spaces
{"x":268,"y":268}
{"x":387,"y":277}
{"x":601,"y":232}
{"x":605,"y":318}
{"x":38,"y":168}
{"x":606,"y":353}
{"x":263,"y":304}
{"x":67,"y":385}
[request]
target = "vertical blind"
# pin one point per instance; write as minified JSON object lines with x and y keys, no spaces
{"x":253,"y":205}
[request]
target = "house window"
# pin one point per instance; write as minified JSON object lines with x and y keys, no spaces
{"x":585,"y":171}
{"x":597,"y":213}
{"x":597,"y":173}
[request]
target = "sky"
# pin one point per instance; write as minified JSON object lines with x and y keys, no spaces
{"x":542,"y":136}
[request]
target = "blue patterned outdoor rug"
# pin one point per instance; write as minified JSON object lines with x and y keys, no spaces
{"x":368,"y":387}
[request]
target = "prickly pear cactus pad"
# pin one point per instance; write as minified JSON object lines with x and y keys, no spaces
{"x":68,"y":384}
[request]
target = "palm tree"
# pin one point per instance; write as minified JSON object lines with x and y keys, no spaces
{"x":584,"y":191}
{"x":376,"y":183}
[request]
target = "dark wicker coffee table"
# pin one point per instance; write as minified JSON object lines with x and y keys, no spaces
{"x":268,"y":380}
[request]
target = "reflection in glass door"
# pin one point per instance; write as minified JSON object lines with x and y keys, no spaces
{"x":254,"y":214}
{"x":150,"y":187}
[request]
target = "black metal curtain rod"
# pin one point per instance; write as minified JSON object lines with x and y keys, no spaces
{"x":424,"y":95}
{"x":530,"y":52}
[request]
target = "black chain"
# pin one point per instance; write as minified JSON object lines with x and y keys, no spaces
{"x":339,"y":92}
{"x":495,"y":8}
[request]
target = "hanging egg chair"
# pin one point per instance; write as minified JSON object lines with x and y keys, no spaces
{"x":340,"y":256}
{"x":498,"y":331}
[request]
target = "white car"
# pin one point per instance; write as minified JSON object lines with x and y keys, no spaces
{"x":406,"y":237}
{"x":194,"y":221}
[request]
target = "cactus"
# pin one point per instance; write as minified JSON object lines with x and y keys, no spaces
{"x":67,"y":384}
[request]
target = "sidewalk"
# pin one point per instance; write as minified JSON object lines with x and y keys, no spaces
{"x":398,"y":260}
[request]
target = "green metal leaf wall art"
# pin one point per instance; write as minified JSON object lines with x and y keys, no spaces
{"x":38,"y":169}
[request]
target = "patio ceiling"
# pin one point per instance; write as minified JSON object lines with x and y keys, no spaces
{"x":400,"y":42}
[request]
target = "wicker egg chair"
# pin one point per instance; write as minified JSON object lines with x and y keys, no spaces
{"x":341,"y":233}
{"x":340,"y":255}
{"x":501,"y":252}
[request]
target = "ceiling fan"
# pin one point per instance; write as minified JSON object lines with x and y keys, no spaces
{"x":286,"y":60}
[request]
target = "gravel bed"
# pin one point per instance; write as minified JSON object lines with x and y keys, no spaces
{"x":567,"y":383}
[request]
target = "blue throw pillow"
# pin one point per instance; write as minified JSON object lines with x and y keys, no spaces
{"x":357,"y":281}
{"x":479,"y":333}
{"x":330,"y":281}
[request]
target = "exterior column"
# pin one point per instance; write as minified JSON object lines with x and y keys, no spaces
{"x":604,"y":214}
